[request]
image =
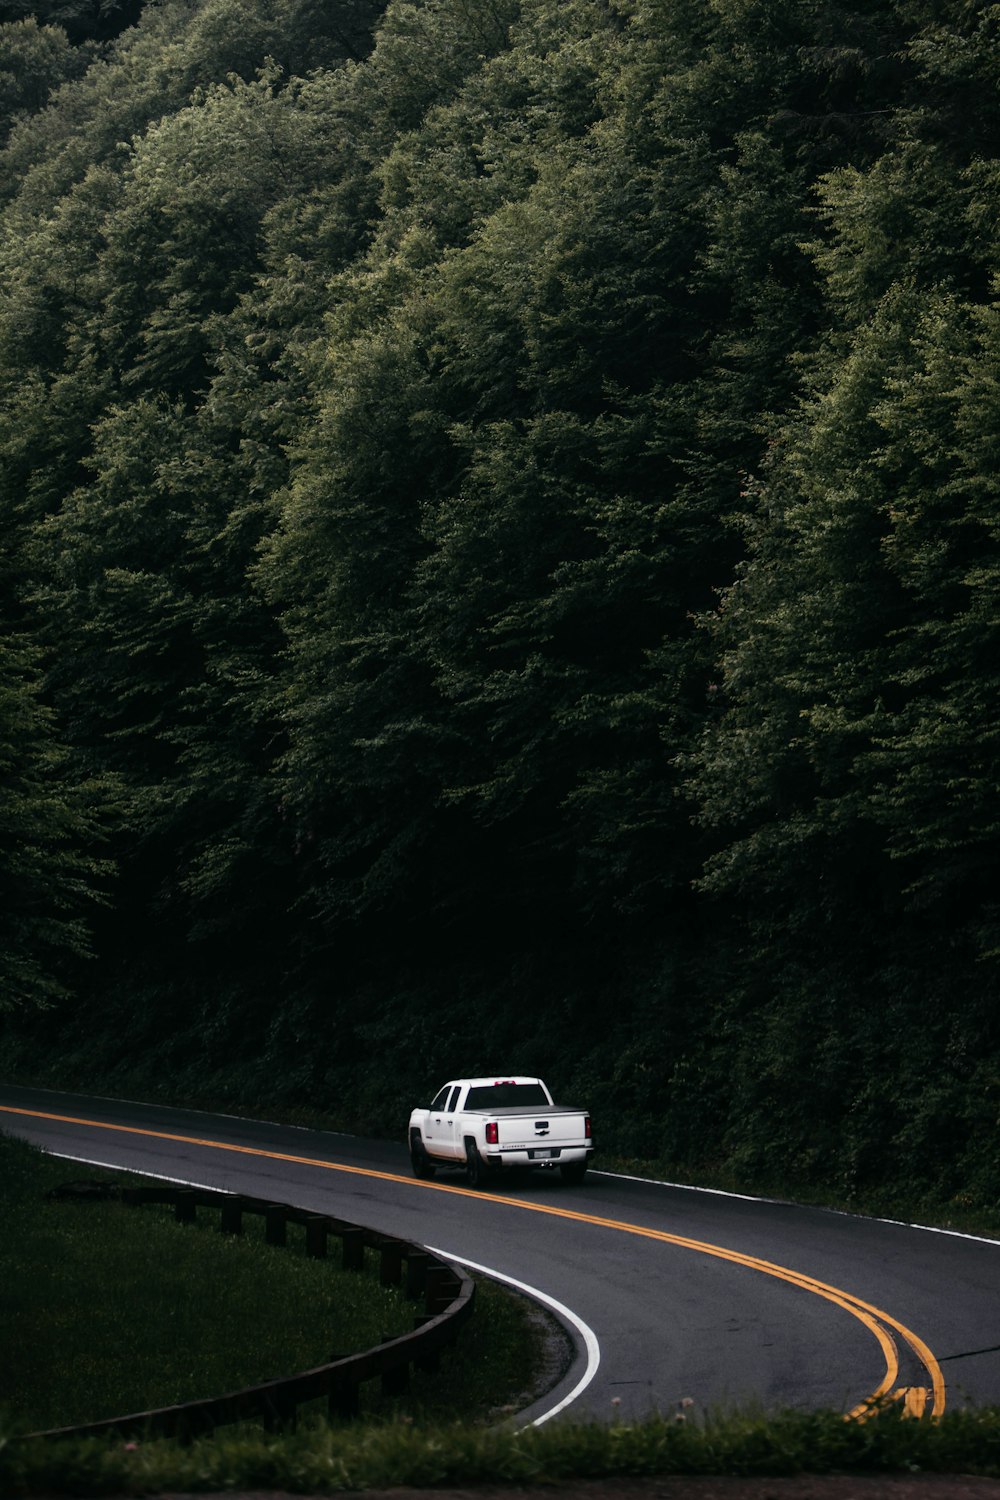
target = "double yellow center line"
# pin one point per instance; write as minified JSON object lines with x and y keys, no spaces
{"x":880,"y":1324}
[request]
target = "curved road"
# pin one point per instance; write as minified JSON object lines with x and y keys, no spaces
{"x":669,"y":1292}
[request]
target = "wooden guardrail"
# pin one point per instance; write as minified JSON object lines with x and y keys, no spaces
{"x":447,"y":1295}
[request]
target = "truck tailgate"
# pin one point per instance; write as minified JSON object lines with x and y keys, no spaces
{"x":544,"y":1127}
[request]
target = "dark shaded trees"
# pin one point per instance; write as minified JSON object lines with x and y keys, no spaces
{"x":50,"y":871}
{"x":851,"y":771}
{"x":387,"y":406}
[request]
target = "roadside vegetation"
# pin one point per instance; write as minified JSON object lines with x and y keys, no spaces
{"x":327,"y":1460}
{"x":107,"y":1309}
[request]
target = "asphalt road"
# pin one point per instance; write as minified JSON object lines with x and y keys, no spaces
{"x":670,"y":1293}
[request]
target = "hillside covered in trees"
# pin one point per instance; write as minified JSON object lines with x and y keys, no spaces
{"x":500,"y":540}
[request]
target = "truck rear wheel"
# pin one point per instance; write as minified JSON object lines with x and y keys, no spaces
{"x":476,"y":1171}
{"x":422,"y":1165}
{"x":574,"y":1172}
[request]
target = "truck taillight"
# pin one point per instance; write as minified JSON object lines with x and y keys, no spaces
{"x":493,"y":1133}
{"x":586,"y":1126}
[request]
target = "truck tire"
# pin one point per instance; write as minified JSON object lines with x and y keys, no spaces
{"x":574,"y":1172}
{"x":476,"y":1171}
{"x":422,"y":1165}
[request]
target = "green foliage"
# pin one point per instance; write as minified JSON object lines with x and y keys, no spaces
{"x":507,"y":492}
{"x":50,"y":876}
{"x":82,"y":21}
{"x":848,"y":769}
{"x":327,"y":1461}
{"x":34,"y":60}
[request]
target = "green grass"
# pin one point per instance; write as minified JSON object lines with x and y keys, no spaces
{"x":327,"y":1460}
{"x":107,"y":1309}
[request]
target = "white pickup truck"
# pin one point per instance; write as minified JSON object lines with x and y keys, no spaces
{"x":488,"y":1124}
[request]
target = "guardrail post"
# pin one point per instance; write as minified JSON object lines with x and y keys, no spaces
{"x":416,"y":1272}
{"x":189,"y":1427}
{"x":316,"y":1232}
{"x":390,"y":1265}
{"x":232,"y":1216}
{"x":185,"y":1206}
{"x":354,"y":1249}
{"x":395,"y":1382}
{"x":278,"y":1412}
{"x":275,"y":1225}
{"x":430,"y":1361}
{"x":437,"y":1288}
{"x":344,"y":1399}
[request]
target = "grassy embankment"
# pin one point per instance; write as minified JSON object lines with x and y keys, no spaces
{"x":106,"y":1309}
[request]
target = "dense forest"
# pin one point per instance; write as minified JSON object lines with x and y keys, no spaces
{"x":500,"y":545}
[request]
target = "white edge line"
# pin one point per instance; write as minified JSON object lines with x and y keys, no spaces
{"x":116,"y":1166}
{"x":685,"y":1187}
{"x":822,"y":1208}
{"x":586,"y":1333}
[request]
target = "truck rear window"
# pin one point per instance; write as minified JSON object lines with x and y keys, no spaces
{"x":500,"y":1095}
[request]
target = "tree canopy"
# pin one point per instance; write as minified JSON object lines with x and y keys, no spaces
{"x":499,"y":532}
